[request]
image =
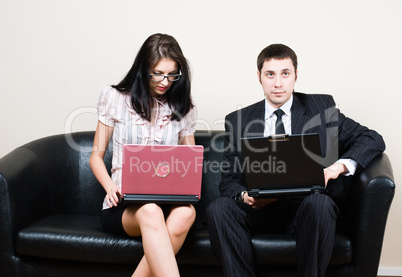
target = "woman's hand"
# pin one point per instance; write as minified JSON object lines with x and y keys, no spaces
{"x":113,"y":196}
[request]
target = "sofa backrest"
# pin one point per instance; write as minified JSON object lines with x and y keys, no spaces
{"x":70,"y":186}
{"x":75,"y":188}
{"x":213,"y":142}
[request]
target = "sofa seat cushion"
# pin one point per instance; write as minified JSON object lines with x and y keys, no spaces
{"x":75,"y":237}
{"x":269,"y":249}
{"x":280,"y":250}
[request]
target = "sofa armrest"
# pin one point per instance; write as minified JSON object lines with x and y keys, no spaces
{"x":45,"y":177}
{"x":25,"y":194}
{"x":372,"y":197}
{"x":24,"y":198}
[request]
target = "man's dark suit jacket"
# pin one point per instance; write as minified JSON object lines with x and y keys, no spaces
{"x":340,"y":137}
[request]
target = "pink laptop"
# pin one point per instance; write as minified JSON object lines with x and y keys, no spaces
{"x":162,"y":173}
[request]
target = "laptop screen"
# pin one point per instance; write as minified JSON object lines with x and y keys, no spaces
{"x":282,"y":162}
{"x":162,"y":173}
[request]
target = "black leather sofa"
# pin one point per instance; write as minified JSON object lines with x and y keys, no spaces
{"x":51,"y":202}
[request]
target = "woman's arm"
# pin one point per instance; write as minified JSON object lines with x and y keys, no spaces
{"x":188,"y":140}
{"x":102,"y":136}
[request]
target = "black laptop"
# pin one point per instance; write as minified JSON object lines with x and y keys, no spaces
{"x":282,"y":165}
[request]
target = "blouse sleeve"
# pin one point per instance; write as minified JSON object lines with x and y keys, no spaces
{"x":106,"y":107}
{"x":190,"y":121}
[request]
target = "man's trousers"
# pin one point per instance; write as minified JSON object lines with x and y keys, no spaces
{"x":311,"y":220}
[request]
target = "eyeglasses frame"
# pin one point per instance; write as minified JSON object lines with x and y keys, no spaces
{"x":166,"y":76}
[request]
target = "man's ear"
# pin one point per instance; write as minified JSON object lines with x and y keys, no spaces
{"x":296,"y":73}
{"x":259,"y":76}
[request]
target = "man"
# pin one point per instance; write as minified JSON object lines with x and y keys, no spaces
{"x":346,"y":147}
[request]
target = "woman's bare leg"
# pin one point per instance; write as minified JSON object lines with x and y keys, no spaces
{"x":149,"y":222}
{"x":178,"y":223}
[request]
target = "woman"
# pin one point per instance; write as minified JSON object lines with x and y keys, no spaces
{"x":151,"y":105}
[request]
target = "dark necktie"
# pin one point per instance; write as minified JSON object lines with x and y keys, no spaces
{"x":279,"y":128}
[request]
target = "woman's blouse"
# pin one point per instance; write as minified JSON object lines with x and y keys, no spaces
{"x":115,"y":110}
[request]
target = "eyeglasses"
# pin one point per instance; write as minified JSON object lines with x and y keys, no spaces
{"x":160,"y":77}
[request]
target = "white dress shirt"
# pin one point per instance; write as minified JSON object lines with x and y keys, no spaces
{"x":270,"y":117}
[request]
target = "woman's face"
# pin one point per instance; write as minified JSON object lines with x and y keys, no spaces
{"x":163,"y":67}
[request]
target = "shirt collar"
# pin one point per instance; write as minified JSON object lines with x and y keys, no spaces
{"x":269,"y":110}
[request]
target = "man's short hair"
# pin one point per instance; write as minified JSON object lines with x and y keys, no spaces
{"x":278,"y":52}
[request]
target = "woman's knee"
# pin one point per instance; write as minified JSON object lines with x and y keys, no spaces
{"x":150,"y":213}
{"x":181,"y":219}
{"x":135,"y":218}
{"x":186,"y":214}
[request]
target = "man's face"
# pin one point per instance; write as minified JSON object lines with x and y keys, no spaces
{"x":278,"y":78}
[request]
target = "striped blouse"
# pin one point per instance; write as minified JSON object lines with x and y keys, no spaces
{"x":114,"y":110}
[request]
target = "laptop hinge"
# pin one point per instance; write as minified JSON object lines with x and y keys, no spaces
{"x":254,"y":193}
{"x":273,"y":138}
{"x":318,"y":189}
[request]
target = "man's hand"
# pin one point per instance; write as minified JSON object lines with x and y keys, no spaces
{"x":257,"y":203}
{"x":333,"y":171}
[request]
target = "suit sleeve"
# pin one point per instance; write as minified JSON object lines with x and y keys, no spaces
{"x":356,"y":141}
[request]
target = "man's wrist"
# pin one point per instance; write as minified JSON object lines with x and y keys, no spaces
{"x":351,"y":166}
{"x":240,"y":196}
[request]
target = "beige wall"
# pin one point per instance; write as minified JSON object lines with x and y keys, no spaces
{"x":55,"y":55}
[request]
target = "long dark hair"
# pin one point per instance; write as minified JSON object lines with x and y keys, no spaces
{"x":137,"y":81}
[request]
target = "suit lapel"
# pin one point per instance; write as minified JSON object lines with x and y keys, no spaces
{"x":299,"y":117}
{"x":303,"y":122}
{"x":256,"y":123}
